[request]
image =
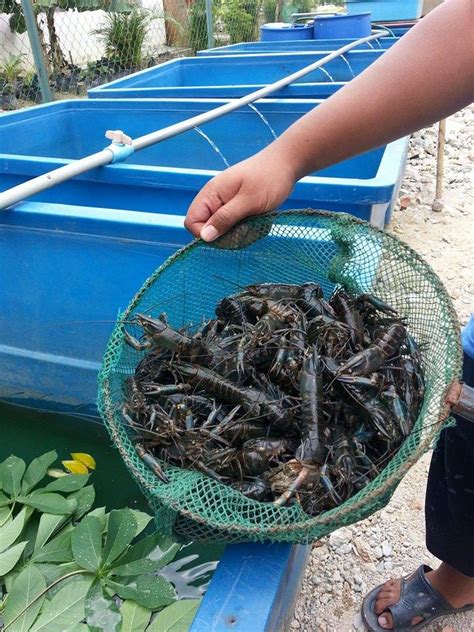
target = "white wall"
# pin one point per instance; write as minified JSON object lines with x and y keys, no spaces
{"x":75,"y":31}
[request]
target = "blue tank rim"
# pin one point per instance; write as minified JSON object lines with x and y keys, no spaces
{"x":338,"y":16}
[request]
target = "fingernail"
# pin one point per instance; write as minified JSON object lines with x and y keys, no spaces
{"x":209,"y":233}
{"x":383,"y":621}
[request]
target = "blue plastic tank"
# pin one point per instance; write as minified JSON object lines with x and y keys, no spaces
{"x":342,"y":25}
{"x":294,"y":46}
{"x":279,"y":31}
{"x":229,"y":76}
{"x":387,"y":9}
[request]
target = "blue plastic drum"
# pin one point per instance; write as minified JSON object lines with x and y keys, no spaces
{"x":279,"y":31}
{"x":342,"y":25}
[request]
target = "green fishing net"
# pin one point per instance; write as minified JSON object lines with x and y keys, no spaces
{"x":288,"y":247}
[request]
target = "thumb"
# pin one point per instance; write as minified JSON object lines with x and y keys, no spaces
{"x":227,"y":216}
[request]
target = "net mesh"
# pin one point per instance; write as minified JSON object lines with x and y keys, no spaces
{"x":290,"y":247}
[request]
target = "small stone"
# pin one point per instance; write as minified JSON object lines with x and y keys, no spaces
{"x":405,"y":201}
{"x":378,"y":552}
{"x":362,"y":550}
{"x":315,"y":580}
{"x":388,"y":565}
{"x":295,"y":625}
{"x":415,"y":504}
{"x":380,"y":568}
{"x":340,"y":537}
{"x":386,"y":549}
{"x":437,"y":206}
{"x":346,"y":548}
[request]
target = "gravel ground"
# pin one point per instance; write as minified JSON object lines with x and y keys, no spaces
{"x":350,"y":562}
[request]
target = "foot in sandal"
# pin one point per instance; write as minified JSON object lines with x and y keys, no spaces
{"x":412,"y":602}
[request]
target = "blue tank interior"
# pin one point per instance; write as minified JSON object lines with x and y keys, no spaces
{"x":257,"y":69}
{"x":76,"y":129}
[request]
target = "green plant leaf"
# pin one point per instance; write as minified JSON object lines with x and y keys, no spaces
{"x":25,"y":589}
{"x":36,"y":470}
{"x":85,"y":499}
{"x":11,"y":530}
{"x":69,"y":483}
{"x":121,"y":530}
{"x":66,"y":608}
{"x":48,"y":526}
{"x":99,"y":512}
{"x":10,"y":557}
{"x":135,"y":618}
{"x":49,"y":503}
{"x":11,"y":473}
{"x":102,"y":614}
{"x":143,"y":519}
{"x":150,"y":591}
{"x":175,"y":618}
{"x":59,"y":550}
{"x":52,"y":572}
{"x":147,"y":556}
{"x":4,"y":500}
{"x":87,"y":543}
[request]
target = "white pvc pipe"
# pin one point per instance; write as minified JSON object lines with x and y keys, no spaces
{"x":105,"y":156}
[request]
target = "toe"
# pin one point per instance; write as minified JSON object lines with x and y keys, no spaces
{"x":385,"y":621}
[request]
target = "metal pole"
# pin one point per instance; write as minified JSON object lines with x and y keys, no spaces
{"x":438,"y":203}
{"x":32,"y":27}
{"x":209,"y":24}
{"x":107,"y":155}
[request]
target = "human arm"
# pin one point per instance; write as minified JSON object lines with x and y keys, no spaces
{"x":426,"y":76}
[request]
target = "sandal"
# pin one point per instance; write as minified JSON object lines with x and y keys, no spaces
{"x":417,"y":599}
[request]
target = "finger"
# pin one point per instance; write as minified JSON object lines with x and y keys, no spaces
{"x":227,"y":216}
{"x":204,"y":205}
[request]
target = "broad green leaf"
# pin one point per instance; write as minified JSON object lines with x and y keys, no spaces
{"x":175,"y":618}
{"x":52,"y":572}
{"x":85,"y":499}
{"x":99,"y":512}
{"x":143,"y":520}
{"x":58,"y":550}
{"x":80,"y":627}
{"x":49,"y":503}
{"x":36,"y":470}
{"x":11,"y":530}
{"x":87,"y":543}
{"x":153,"y":547}
{"x":4,"y":500}
{"x":151,"y":591}
{"x":65,"y":609}
{"x":135,"y":618}
{"x":48,"y":525}
{"x":70,"y":483}
{"x":155,"y":562}
{"x":102,"y":614}
{"x":25,"y":590}
{"x":121,"y":531}
{"x":11,"y":473}
{"x":5,"y":513}
{"x":10,"y":557}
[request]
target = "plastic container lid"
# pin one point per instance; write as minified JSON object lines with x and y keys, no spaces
{"x":467,"y":337}
{"x":278,"y":26}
